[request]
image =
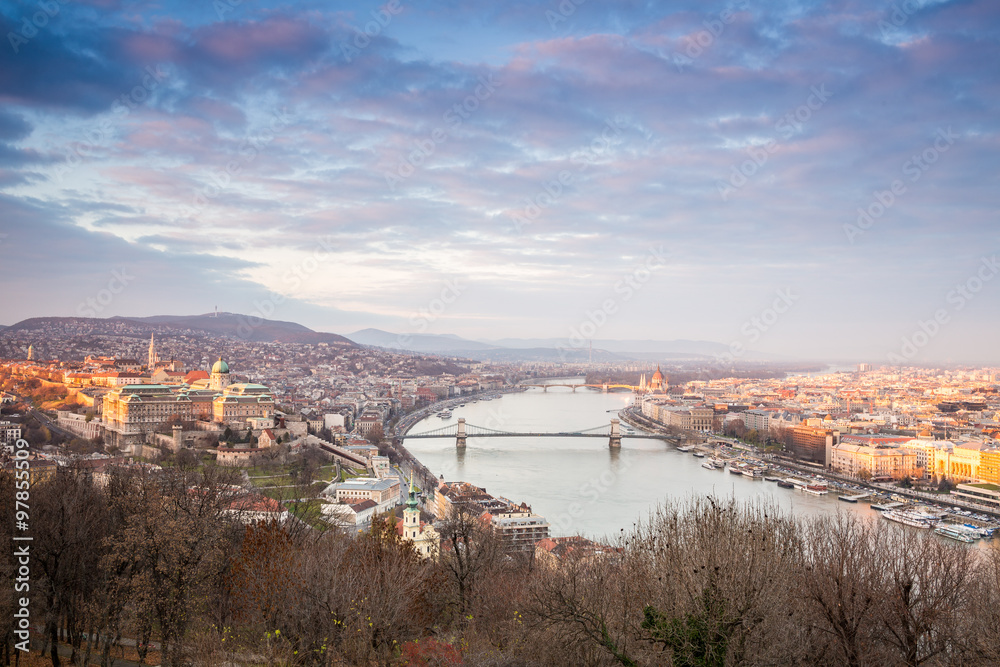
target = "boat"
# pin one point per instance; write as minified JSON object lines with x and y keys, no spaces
{"x":768,"y":478}
{"x":753,"y":473}
{"x":885,"y":507}
{"x":709,"y":464}
{"x":685,"y":448}
{"x":956,"y":532}
{"x":736,"y":469}
{"x":817,"y":489}
{"x":910,"y":518}
{"x":699,"y":455}
{"x":984,"y":531}
{"x":445,"y":415}
{"x":785,"y":484}
{"x":848,"y":499}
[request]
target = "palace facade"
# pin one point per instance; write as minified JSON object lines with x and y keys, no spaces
{"x":132,"y":411}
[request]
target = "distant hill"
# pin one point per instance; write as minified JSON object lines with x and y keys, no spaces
{"x":225,"y":324}
{"x":538,"y":349}
{"x":426,"y":343}
{"x":641,"y":348}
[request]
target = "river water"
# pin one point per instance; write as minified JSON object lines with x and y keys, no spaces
{"x":579,"y":484}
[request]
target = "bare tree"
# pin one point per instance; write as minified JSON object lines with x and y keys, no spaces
{"x":841,"y":586}
{"x":469,"y":549}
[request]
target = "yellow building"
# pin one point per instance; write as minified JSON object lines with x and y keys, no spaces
{"x":989,"y":466}
{"x":242,"y":401}
{"x":130,"y":412}
{"x":881,"y":463}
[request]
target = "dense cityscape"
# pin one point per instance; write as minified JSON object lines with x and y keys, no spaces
{"x":316,"y":433}
{"x":540,"y":332}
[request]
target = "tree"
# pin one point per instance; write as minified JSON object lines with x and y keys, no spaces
{"x":470,"y":549}
{"x":70,"y":522}
{"x":174,"y":546}
{"x":376,"y":436}
{"x":736,"y":428}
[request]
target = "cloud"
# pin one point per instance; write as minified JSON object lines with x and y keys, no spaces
{"x":591,"y":124}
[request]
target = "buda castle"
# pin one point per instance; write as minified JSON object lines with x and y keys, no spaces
{"x":131,"y":412}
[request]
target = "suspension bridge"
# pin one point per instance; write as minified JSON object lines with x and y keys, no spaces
{"x":462,"y":431}
{"x":605,"y":388}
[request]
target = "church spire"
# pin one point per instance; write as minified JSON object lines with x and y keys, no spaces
{"x":153,"y":358}
{"x":412,"y":502}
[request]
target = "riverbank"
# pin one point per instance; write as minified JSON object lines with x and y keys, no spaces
{"x":425,"y":478}
{"x":843,"y":482}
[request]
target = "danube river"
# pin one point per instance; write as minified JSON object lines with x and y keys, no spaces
{"x":579,"y":484}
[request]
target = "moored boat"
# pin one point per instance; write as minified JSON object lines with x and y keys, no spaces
{"x":956,"y":532}
{"x":910,"y":518}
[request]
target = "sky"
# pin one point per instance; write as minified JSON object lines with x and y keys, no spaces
{"x":799,"y":179}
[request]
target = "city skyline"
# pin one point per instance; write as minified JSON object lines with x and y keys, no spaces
{"x":809,"y":180}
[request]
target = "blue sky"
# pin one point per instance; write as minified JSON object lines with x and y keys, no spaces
{"x":509,"y":169}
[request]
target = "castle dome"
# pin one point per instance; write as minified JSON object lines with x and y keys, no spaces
{"x":220,"y":366}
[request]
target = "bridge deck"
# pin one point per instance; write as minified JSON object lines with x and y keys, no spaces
{"x":638,"y":436}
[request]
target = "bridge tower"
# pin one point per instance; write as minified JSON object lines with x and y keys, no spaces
{"x":460,"y":442}
{"x":616,"y":435}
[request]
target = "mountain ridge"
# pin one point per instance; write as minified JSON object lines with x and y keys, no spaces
{"x":251,"y":329}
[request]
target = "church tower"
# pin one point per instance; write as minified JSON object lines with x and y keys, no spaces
{"x":411,"y":516}
{"x":153,"y":357}
{"x":31,"y":353}
{"x":425,"y":539}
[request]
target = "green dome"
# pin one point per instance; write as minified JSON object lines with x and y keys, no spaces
{"x":220,"y":366}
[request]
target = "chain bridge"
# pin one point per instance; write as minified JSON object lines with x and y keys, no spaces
{"x":461,"y":431}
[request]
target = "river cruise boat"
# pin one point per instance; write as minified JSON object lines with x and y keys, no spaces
{"x":785,"y":484}
{"x":753,"y":473}
{"x":911,"y":518}
{"x":699,"y":455}
{"x":817,"y":489}
{"x":445,"y":414}
{"x":709,"y":464}
{"x":685,"y":448}
{"x":956,"y":532}
{"x":736,"y":468}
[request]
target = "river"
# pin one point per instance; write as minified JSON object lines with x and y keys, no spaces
{"x":579,"y":484}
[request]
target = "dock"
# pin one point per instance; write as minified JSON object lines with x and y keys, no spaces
{"x":854,"y":498}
